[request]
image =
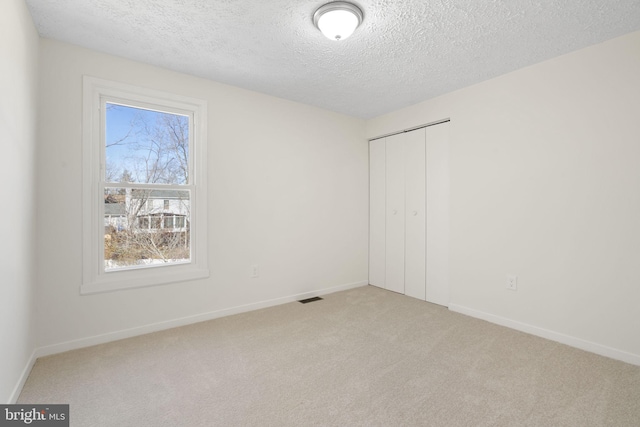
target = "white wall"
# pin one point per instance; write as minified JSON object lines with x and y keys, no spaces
{"x":18,"y":80}
{"x":545,"y":184}
{"x":287,"y":190}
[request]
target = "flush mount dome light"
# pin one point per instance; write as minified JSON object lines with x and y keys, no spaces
{"x":337,"y":20}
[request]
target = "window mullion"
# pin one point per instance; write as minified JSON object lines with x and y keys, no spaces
{"x":148,"y":185}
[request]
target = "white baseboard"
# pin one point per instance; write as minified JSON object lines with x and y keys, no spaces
{"x":23,"y":378}
{"x":160,"y":326}
{"x":592,"y":347}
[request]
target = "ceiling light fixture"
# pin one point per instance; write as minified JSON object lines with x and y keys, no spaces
{"x":338,"y":20}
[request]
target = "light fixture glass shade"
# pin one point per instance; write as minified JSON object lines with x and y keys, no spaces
{"x":338,"y":20}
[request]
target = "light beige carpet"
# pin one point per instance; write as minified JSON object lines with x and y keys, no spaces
{"x":364,"y":357}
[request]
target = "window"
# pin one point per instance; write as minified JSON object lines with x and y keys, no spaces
{"x":144,"y":187}
{"x":143,"y":222}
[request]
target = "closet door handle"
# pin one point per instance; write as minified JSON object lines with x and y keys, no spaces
{"x":415,"y":213}
{"x":395,"y":212}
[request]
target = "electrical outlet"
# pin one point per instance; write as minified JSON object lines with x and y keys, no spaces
{"x":512,"y":283}
{"x":254,"y":271}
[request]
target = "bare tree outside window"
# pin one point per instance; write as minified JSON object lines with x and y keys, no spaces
{"x":147,"y":214}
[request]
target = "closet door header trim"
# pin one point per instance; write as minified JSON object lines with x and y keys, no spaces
{"x":411,"y":129}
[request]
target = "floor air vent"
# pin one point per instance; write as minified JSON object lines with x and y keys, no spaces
{"x":304,"y":301}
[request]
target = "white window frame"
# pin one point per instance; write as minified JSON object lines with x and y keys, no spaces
{"x":95,"y":279}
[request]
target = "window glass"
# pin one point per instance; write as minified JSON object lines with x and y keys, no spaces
{"x":136,"y":237}
{"x":145,"y":146}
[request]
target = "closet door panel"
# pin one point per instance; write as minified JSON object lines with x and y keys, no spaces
{"x":377,"y":210}
{"x":394,"y":266}
{"x":437,"y":148}
{"x":415,"y":204}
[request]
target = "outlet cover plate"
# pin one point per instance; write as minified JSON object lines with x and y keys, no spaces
{"x":512,"y":282}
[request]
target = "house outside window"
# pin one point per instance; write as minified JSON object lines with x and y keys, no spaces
{"x":144,"y":174}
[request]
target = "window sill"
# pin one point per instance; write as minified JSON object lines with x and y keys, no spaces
{"x":132,"y":279}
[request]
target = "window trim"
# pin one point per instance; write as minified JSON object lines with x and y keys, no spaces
{"x":94,"y":277}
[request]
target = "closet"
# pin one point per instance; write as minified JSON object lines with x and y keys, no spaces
{"x":409,"y":213}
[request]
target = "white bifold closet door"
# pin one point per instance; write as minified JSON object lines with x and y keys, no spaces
{"x":437,"y":219}
{"x":394,"y":233}
{"x":415,"y":215}
{"x":409,"y":216}
{"x":377,"y":209}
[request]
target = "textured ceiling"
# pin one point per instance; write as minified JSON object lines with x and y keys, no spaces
{"x":405,"y":51}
